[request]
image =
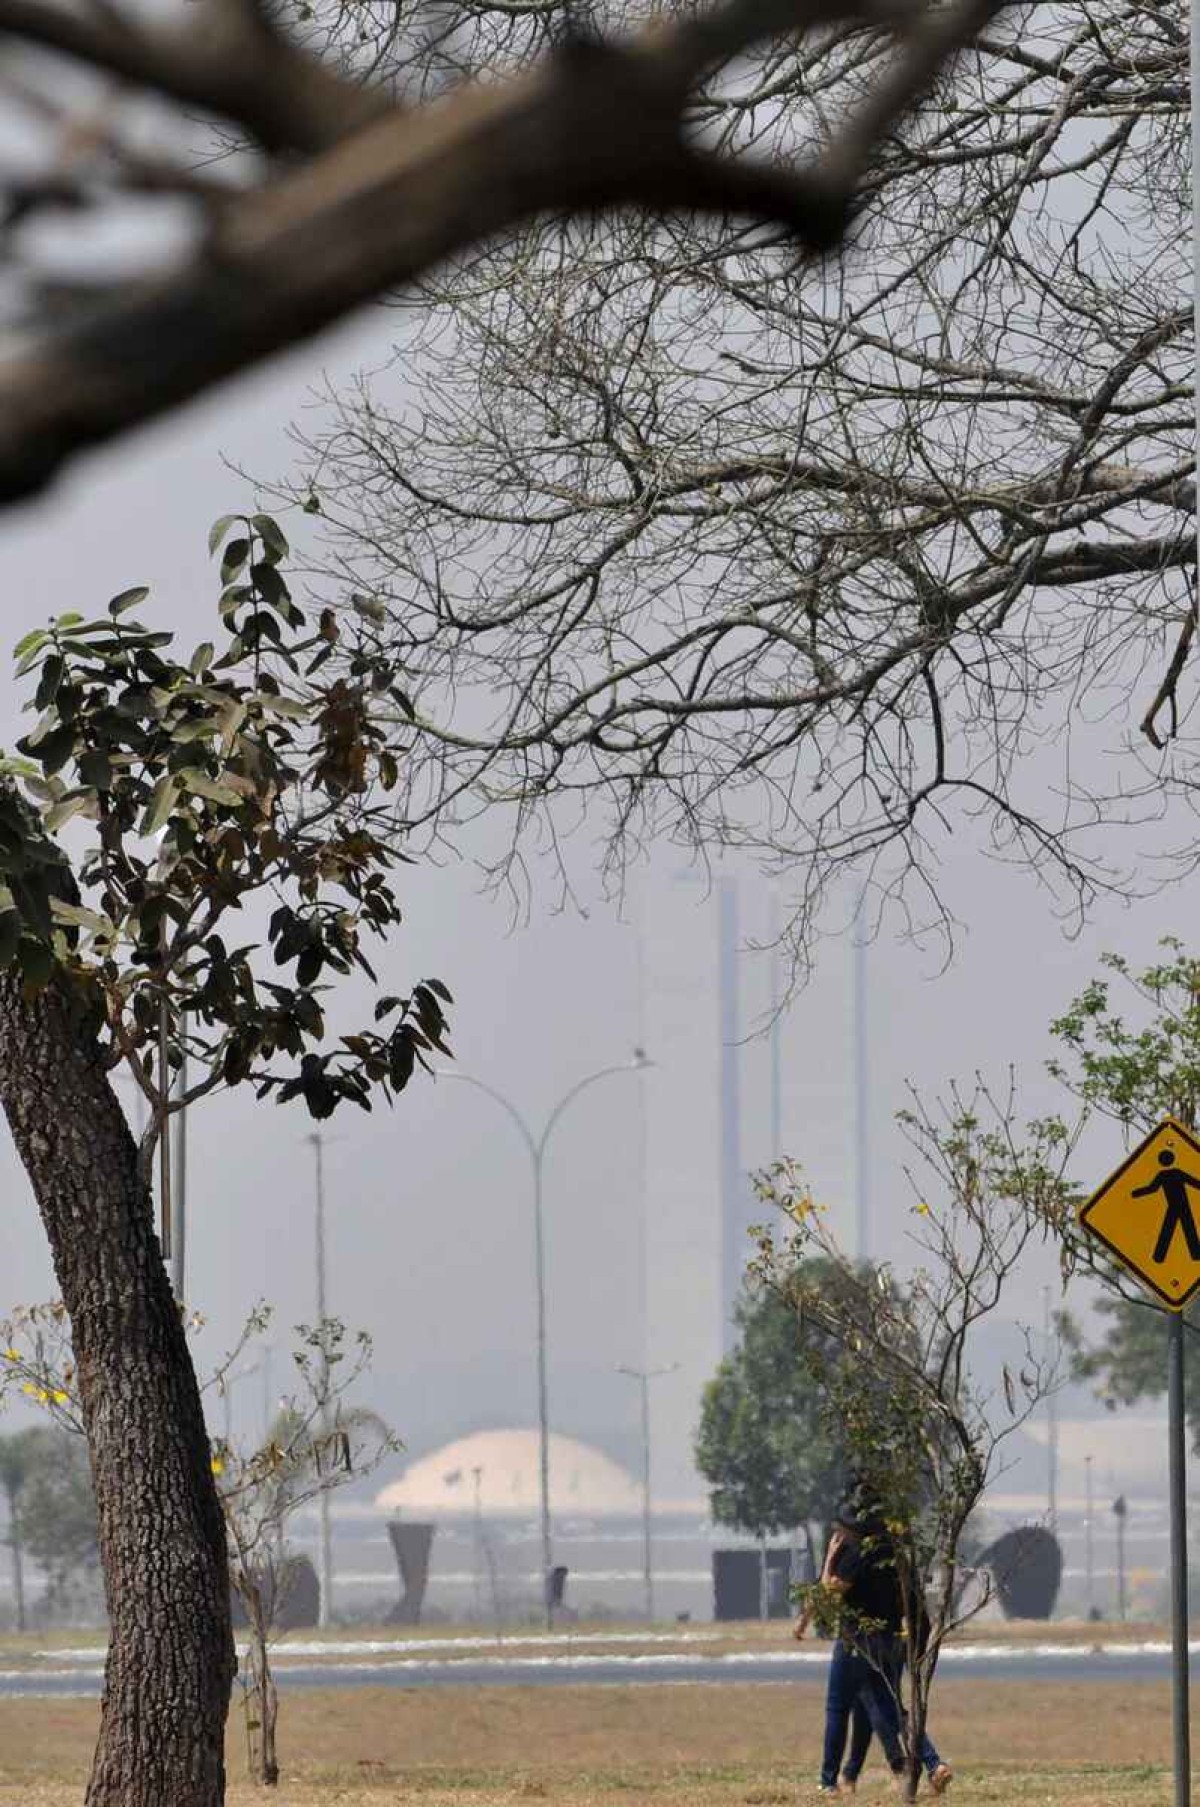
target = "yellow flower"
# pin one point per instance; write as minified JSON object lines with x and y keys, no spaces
{"x":217,"y":1466}
{"x":12,"y":1355}
{"x":60,"y":1398}
{"x":922,"y":1210}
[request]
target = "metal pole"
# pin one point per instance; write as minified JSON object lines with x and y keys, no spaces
{"x":477,"y":1565}
{"x":1120,"y":1509}
{"x":1177,"y":1434}
{"x":862,"y":1126}
{"x":1051,"y":1416}
{"x":179,"y":1189}
{"x":543,"y":1399}
{"x":644,"y":1376}
{"x":776,"y":1095}
{"x":165,"y":1214}
{"x":537,"y":1154}
{"x":1089,"y":1558}
{"x":325,"y":1606}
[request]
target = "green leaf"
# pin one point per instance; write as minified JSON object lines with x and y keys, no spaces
{"x":71,"y":619}
{"x":220,"y":528}
{"x":55,"y":748}
{"x":200,"y":729}
{"x":202,"y":658}
{"x":270,"y":586}
{"x":272,"y":536}
{"x":233,"y":558}
{"x":158,"y":810}
{"x":199,"y":784}
{"x":290,"y":706}
{"x":128,"y":599}
{"x":31,"y":642}
{"x":73,"y":804}
{"x":79,"y":918}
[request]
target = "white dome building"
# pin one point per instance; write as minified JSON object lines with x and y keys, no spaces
{"x":496,"y":1473}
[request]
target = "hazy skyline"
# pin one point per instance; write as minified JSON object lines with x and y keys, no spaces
{"x":430,"y":1244}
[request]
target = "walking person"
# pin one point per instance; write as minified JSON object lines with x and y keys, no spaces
{"x":870,"y":1650}
{"x":846,"y":1715}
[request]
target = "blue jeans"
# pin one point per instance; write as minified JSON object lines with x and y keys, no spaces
{"x":866,"y":1675}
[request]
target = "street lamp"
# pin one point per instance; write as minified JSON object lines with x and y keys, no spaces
{"x":325,"y":1594}
{"x":644,"y":1376}
{"x":535,"y":1147}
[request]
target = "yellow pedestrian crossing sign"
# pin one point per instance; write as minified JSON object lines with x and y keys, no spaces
{"x":1146,"y":1213}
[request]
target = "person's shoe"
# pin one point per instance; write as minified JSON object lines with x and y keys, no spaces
{"x":847,"y":1785}
{"x":941,"y":1778}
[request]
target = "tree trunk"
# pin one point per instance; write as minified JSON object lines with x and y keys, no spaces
{"x":162,"y":1537}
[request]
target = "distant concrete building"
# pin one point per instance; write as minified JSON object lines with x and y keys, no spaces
{"x":495,"y":1473}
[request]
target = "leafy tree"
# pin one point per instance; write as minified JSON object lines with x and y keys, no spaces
{"x":261,"y":776}
{"x":16,"y":1461}
{"x":764,"y":1445}
{"x":893,"y":1358}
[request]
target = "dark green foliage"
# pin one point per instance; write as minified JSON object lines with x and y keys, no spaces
{"x":1129,"y":1361}
{"x":765,"y":1445}
{"x":260,"y":780}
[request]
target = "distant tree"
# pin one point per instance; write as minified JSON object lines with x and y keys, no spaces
{"x":16,"y":1461}
{"x":57,"y":1513}
{"x":893,"y":1357}
{"x":260,"y":779}
{"x":764,"y":1445}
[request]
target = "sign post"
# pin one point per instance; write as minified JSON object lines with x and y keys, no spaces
{"x":1176,"y":1431}
{"x":1145,"y":1217}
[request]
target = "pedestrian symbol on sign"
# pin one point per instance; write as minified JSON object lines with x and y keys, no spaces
{"x":1146,"y":1217}
{"x":1173,"y":1183}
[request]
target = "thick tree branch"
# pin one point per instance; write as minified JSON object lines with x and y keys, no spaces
{"x":388,"y":194}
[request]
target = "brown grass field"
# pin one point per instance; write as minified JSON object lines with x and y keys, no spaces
{"x":670,"y":1745}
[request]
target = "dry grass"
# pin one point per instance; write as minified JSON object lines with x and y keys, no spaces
{"x":1065,"y":1745}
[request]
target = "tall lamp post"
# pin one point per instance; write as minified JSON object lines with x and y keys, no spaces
{"x":325,"y":1600}
{"x":644,"y":1376}
{"x":535,"y":1147}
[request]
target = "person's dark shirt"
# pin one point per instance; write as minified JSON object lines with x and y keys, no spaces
{"x":872,"y":1587}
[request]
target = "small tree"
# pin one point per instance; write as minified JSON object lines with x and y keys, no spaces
{"x":894,"y":1360}
{"x":764,"y":1444}
{"x":318,"y":1442}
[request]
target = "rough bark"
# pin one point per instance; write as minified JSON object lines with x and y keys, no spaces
{"x":162,"y":1537}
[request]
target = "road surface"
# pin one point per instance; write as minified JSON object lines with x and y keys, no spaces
{"x":470,"y":1663}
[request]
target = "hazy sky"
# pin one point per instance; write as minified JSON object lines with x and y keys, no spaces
{"x":430,"y":1245}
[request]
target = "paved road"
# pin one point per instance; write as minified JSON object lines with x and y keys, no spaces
{"x":1046,"y":1662}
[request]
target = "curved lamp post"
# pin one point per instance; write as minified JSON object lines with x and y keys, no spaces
{"x":535,"y":1147}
